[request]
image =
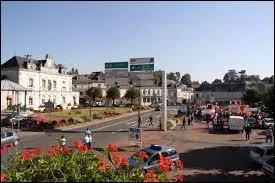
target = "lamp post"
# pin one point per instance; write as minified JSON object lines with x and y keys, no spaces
{"x":139,"y":100}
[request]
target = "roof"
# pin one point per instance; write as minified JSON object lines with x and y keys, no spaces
{"x":19,"y":62}
{"x":7,"y":85}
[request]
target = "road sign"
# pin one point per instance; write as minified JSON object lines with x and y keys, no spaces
{"x":116,"y":72}
{"x":134,"y":134}
{"x":113,"y":65}
{"x":146,"y":60}
{"x":142,"y":67}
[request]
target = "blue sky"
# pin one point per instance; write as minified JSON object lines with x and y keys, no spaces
{"x":204,"y":39}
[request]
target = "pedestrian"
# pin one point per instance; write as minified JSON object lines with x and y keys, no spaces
{"x":87,"y":140}
{"x":62,"y":141}
{"x":184,"y":120}
{"x":269,"y":134}
{"x":189,"y":119}
{"x":151,"y":120}
{"x":160,"y":126}
{"x":192,"y":118}
{"x":247,"y":131}
{"x":88,"y":131}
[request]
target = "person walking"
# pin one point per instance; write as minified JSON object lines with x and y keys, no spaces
{"x":87,"y":140}
{"x":151,"y":120}
{"x":269,"y":134}
{"x":247,"y":131}
{"x":63,"y":141}
{"x":184,"y":120}
{"x":87,"y":132}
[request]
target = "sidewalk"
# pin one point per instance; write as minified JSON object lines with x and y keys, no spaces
{"x":97,"y":121}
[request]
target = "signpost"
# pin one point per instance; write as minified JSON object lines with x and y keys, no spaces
{"x":116,"y":65}
{"x":134,"y":134}
{"x":142,"y":67}
{"x":116,"y":72}
{"x":146,"y":60}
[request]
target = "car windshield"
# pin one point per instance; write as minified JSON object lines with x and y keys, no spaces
{"x":251,"y":120}
{"x":258,"y":150}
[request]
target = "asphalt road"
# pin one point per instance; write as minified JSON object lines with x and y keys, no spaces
{"x":110,"y":132}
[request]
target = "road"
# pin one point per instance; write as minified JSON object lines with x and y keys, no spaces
{"x":110,"y":132}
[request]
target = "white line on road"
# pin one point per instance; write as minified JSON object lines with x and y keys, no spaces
{"x":145,"y":124}
{"x":131,"y":122}
{"x":134,"y":124}
{"x":118,"y":131}
{"x":111,"y":125}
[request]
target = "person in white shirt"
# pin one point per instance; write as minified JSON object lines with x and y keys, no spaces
{"x":87,"y":140}
{"x":87,"y":132}
{"x":63,"y":141}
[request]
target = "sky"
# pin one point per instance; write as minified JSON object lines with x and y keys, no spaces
{"x":204,"y":39}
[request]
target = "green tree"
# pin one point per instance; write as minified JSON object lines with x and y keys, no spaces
{"x":158,"y":78}
{"x":177,"y":76}
{"x":186,"y":79}
{"x":217,"y":81}
{"x":94,"y":93}
{"x":251,"y":96}
{"x":268,"y":99}
{"x":230,"y":76}
{"x":113,"y":93}
{"x":132,"y":94}
{"x":171,"y":76}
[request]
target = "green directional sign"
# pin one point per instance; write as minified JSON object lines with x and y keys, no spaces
{"x":115,"y":65}
{"x":142,"y":67}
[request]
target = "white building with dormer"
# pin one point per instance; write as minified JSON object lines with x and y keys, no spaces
{"x":46,"y":80}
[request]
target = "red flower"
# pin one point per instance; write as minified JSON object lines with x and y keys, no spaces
{"x":180,"y":178}
{"x":103,"y":165}
{"x":162,"y":164}
{"x":117,"y":158}
{"x":150,"y":176}
{"x":124,"y":161}
{"x":52,"y":151}
{"x":26,"y":155}
{"x":179,"y":164}
{"x":168,"y":161}
{"x":3,"y":177}
{"x":64,"y":149}
{"x":143,"y":155}
{"x":4,"y":149}
{"x":112,"y":147}
{"x":85,"y":148}
{"x":79,"y":144}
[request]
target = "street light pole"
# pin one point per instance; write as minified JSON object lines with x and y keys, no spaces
{"x":139,"y":104}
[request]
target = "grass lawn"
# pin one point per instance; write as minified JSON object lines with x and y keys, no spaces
{"x":86,"y":112}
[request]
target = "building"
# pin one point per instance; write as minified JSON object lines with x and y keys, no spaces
{"x":185,"y":93}
{"x":46,"y":80}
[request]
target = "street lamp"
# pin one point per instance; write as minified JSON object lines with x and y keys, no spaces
{"x":139,"y":100}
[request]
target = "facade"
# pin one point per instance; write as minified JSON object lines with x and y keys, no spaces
{"x":219,"y":96}
{"x":185,"y":93}
{"x":46,"y":80}
{"x":150,"y":95}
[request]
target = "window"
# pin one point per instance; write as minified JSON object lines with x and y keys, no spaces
{"x":9,"y":134}
{"x":3,"y":135}
{"x":43,"y":83}
{"x":165,"y":154}
{"x":99,"y":85}
{"x":143,"y":92}
{"x":172,"y":153}
{"x":54,"y":99}
{"x":155,"y":158}
{"x":30,"y":101}
{"x":64,"y":100}
{"x":54,"y":84}
{"x":63,"y":82}
{"x":74,"y":99}
{"x":30,"y":82}
{"x":63,"y":89}
{"x":158,"y":92}
{"x":43,"y":101}
{"x":144,"y":100}
{"x":149,"y":92}
{"x":49,"y":84}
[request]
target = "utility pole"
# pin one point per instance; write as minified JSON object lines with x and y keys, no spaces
{"x":164,"y":101}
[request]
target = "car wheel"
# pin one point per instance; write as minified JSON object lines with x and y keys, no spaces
{"x":16,"y":143}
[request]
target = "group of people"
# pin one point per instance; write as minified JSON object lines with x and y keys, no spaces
{"x":187,"y":119}
{"x":87,"y":139}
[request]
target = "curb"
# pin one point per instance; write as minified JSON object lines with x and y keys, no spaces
{"x":97,"y":121}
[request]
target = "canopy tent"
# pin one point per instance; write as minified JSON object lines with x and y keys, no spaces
{"x":7,"y":85}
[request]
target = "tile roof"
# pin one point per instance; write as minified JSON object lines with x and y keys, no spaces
{"x":19,"y":62}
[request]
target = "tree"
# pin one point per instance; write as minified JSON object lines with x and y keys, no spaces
{"x":271,"y":81}
{"x":186,"y":79}
{"x":132,"y":94}
{"x":268,"y":99}
{"x":251,"y":96}
{"x":76,"y":71}
{"x":171,"y":76}
{"x":253,"y":78}
{"x":177,"y":76}
{"x":217,"y":81}
{"x":230,"y":76}
{"x":242,"y":75}
{"x":158,"y":78}
{"x":113,"y":93}
{"x":94,"y":93}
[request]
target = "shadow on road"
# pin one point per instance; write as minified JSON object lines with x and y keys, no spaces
{"x":225,"y":159}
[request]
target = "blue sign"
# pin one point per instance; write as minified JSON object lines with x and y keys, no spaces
{"x":135,"y":130}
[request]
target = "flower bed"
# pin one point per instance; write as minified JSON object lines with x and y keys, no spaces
{"x":79,"y":164}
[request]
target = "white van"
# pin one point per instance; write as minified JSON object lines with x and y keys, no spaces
{"x":236,"y":123}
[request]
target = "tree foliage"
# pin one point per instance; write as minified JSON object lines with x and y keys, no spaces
{"x":252,"y":95}
{"x":94,"y":93}
{"x":268,"y":99}
{"x":132,"y":94}
{"x":177,"y":76}
{"x":113,"y":93}
{"x":217,"y":81}
{"x":186,"y":79}
{"x":171,"y":76}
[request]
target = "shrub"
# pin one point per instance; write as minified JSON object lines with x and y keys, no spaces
{"x":71,"y":120}
{"x":69,"y":113}
{"x":86,"y":118}
{"x":97,"y":116}
{"x":54,"y":122}
{"x":77,"y":112}
{"x":79,"y":164}
{"x":170,"y":124}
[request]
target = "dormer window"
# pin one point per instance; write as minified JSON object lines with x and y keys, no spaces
{"x":30,"y":82}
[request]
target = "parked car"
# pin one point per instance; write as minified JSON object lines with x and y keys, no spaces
{"x":40,"y":108}
{"x":262,"y":152}
{"x":266,"y":122}
{"x":236,"y":123}
{"x":9,"y":137}
{"x":268,"y":166}
{"x":252,"y":122}
{"x":154,"y":152}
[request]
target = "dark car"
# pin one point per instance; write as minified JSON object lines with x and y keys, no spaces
{"x":253,"y":123}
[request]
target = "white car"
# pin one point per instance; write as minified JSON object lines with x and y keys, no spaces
{"x":261,"y":153}
{"x":268,"y":167}
{"x":236,"y":123}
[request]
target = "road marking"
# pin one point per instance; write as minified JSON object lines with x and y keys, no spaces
{"x":111,"y":125}
{"x":131,"y":122}
{"x":145,"y":124}
{"x":157,"y":116}
{"x":134,"y":124}
{"x":118,"y":131}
